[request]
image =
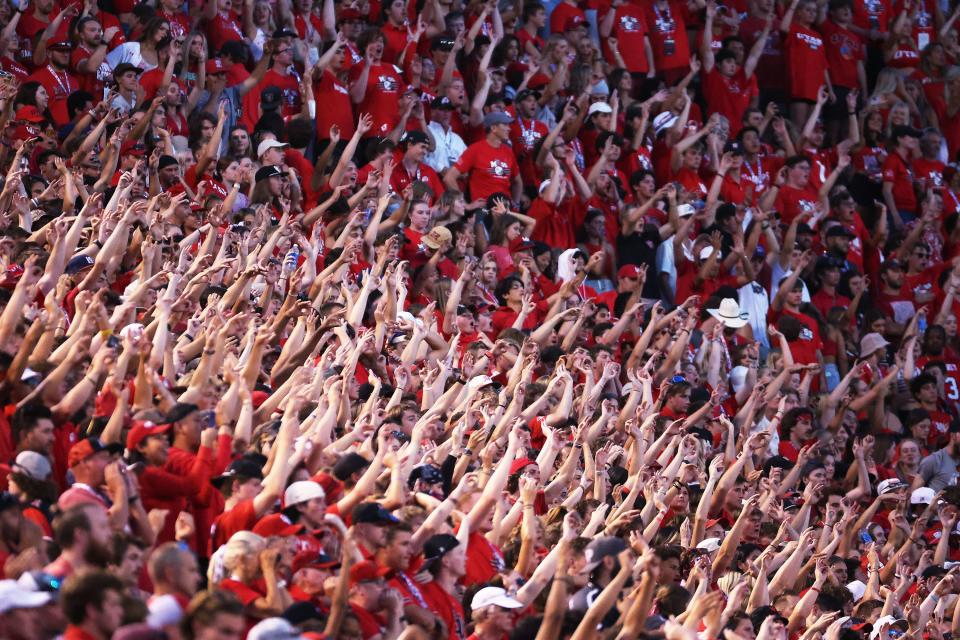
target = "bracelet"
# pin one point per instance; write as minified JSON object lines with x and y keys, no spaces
{"x":765,"y":225}
{"x":815,"y":589}
{"x":132,"y":499}
{"x":92,"y":380}
{"x":468,"y":452}
{"x":188,"y":337}
{"x":933,"y":596}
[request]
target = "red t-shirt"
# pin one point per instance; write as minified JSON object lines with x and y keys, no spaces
{"x":484,"y":560}
{"x":491,"y":169}
{"x":898,"y":171}
{"x":805,"y":347}
{"x":289,"y":85}
{"x":333,"y":107}
{"x":844,"y":50}
{"x":448,"y":608}
{"x":668,"y":35}
{"x":381,"y":100}
{"x":806,"y":61}
{"x":563,"y":12}
{"x":59,"y":85}
{"x":241,"y":518}
{"x":791,"y":201}
{"x":630,"y":30}
{"x":223,"y":29}
{"x":730,"y":95}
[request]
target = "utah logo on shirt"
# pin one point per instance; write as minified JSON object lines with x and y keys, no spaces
{"x":499,"y":168}
{"x":629,"y":23}
{"x":387,"y":83}
{"x":806,"y":334}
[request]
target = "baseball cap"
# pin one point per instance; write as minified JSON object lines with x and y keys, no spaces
{"x":274,"y":629}
{"x":664,"y":121}
{"x":520,"y":243}
{"x":526,"y":93}
{"x":133,"y":148}
{"x":216,"y":65}
{"x":825,"y":263}
{"x":277,"y":524}
{"x":266,"y":145}
{"x":270,"y":98}
{"x":428,"y":473}
{"x":143,"y":429}
{"x":890,"y":484}
{"x":733,"y":147}
{"x":32,"y":465}
{"x":59,"y":45}
{"x":216,"y":189}
{"x":496,"y":117}
{"x":302,"y":491}
{"x":599,"y":107}
{"x":312,"y":560}
{"x":166,"y":161}
{"x":709,"y":544}
{"x":519,"y":464}
{"x":923,"y":495}
{"x":442,"y":102}
{"x":494,"y":597}
{"x":415,"y":137}
{"x":601,"y":548}
{"x":372,"y":513}
{"x":269,"y":171}
{"x":437,"y":237}
{"x":366,"y":571}
{"x":86,"y":448}
{"x":839,"y":230}
{"x":285,"y":32}
{"x":857,"y":588}
{"x":15,"y":596}
{"x":241,"y":467}
{"x":78,"y":264}
{"x":573,"y":22}
{"x":628,"y":271}
{"x":441,"y":43}
{"x":439,"y":545}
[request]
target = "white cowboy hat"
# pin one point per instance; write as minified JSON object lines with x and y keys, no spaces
{"x":729,"y":314}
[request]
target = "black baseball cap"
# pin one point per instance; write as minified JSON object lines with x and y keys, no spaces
{"x":372,"y":513}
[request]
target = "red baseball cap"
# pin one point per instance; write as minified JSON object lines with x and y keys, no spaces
{"x":520,"y":243}
{"x":312,"y":560}
{"x":331,"y":486}
{"x":216,"y":190}
{"x":216,"y":65}
{"x":86,"y":448}
{"x":25,"y":132}
{"x":365,"y":571}
{"x":518,"y":465}
{"x":350,"y":14}
{"x":277,"y":524}
{"x":573,"y":22}
{"x":133,"y":148}
{"x":628,"y":271}
{"x":143,"y":429}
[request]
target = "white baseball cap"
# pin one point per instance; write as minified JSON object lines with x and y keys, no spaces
{"x":32,"y":464}
{"x":923,"y":495}
{"x":266,"y":145}
{"x":302,"y":491}
{"x":709,"y":544}
{"x":274,"y":629}
{"x":857,"y":589}
{"x":494,"y":596}
{"x":599,"y":107}
{"x":14,"y":596}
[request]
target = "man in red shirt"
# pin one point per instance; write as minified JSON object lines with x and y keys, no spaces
{"x":490,"y":163}
{"x":626,"y":23}
{"x":376,"y":86}
{"x":492,"y":612}
{"x":93,"y":605}
{"x":525,"y":132}
{"x":667,"y":22}
{"x":447,"y":561}
{"x":283,"y":76}
{"x":410,"y":166}
{"x":87,"y":60}
{"x":56,"y":78}
{"x":845,"y":53}
{"x":898,"y":192}
{"x":376,"y":606}
{"x":796,"y":195}
{"x":730,"y":88}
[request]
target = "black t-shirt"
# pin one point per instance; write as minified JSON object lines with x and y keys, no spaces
{"x":641,"y":248}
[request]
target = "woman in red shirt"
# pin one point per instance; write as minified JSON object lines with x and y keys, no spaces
{"x":806,"y":58}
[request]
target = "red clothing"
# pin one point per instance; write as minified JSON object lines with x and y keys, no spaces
{"x":524,"y":136}
{"x":844,"y":50}
{"x":333,"y":107}
{"x":771,"y":68}
{"x":484,"y":560}
{"x":59,"y":85}
{"x":381,"y":100}
{"x":791,"y":201}
{"x":806,"y":61}
{"x":289,"y":85}
{"x":223,"y":29}
{"x":630,"y":30}
{"x":929,"y":173}
{"x":824,"y":301}
{"x":491,"y":169}
{"x":90,"y":82}
{"x":555,"y":225}
{"x":899,"y":171}
{"x":168,"y":487}
{"x":730,"y":95}
{"x":423,"y":173}
{"x":241,"y":518}
{"x":806,"y":346}
{"x":563,"y":12}
{"x":668,"y":35}
{"x":872,"y":14}
{"x":371,"y":624}
{"x":76,"y":633}
{"x":448,"y":608}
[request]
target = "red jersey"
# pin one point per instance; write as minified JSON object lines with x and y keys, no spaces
{"x":771,"y":68}
{"x":760,"y":172}
{"x":289,"y":85}
{"x":928,"y":173}
{"x":491,"y":169}
{"x":224,"y":28}
{"x":524,"y":136}
{"x":806,"y":346}
{"x":563,"y":12}
{"x":448,"y":608}
{"x":93,"y":83}
{"x":872,"y":14}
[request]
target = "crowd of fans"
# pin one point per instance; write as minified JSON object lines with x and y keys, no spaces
{"x":364,"y":319}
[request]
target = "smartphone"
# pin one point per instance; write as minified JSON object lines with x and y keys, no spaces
{"x":865,"y":537}
{"x":113,"y":342}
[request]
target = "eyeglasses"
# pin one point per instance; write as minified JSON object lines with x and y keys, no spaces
{"x":279,"y":51}
{"x":921,"y":254}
